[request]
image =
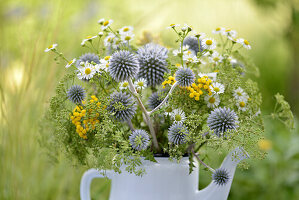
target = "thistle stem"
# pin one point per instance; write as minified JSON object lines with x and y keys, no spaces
{"x":147,"y":117}
{"x":199,"y":160}
{"x":165,"y":99}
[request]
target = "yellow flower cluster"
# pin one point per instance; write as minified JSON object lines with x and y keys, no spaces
{"x":81,"y":122}
{"x":195,"y":90}
{"x":169,"y":81}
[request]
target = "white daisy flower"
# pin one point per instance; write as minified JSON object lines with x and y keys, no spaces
{"x":100,"y":33}
{"x":168,"y":109}
{"x":124,"y":85}
{"x":126,"y":29}
{"x":104,"y":63}
{"x":70,"y":63}
{"x":244,"y":43}
{"x":178,"y":115}
{"x":172,"y":26}
{"x":217,"y":88}
{"x":209,"y":43}
{"x":212,"y":101}
{"x":239,"y":94}
{"x":177,"y":51}
{"x":140,"y":84}
{"x":218,"y":30}
{"x":186,"y":27}
{"x":101,"y":21}
{"x":212,"y":75}
{"x":86,"y":72}
{"x":215,"y":58}
{"x":230,"y":33}
{"x":201,"y":36}
{"x":242,"y":105}
{"x":109,"y":40}
{"x":189,"y":56}
{"x":51,"y":47}
{"x":88,"y":38}
{"x":106,"y":24}
{"x":232,"y":60}
{"x":127,"y":37}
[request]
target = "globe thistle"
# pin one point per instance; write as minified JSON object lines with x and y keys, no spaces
{"x":156,"y":99}
{"x":220,"y":176}
{"x":76,"y":94}
{"x":192,"y":43}
{"x":122,"y":105}
{"x":139,"y":140}
{"x":153,"y":65}
{"x":123,"y":65}
{"x":88,"y":57}
{"x":177,"y":133}
{"x":185,"y":77}
{"x":222,"y":120}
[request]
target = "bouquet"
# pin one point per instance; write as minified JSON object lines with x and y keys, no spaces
{"x":123,"y":100}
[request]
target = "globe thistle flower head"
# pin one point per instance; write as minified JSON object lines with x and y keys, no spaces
{"x":139,"y":140}
{"x":88,"y":57}
{"x":192,"y":42}
{"x":185,"y":77}
{"x":220,"y":176}
{"x":177,"y":133}
{"x":153,"y":65}
{"x":222,"y":120}
{"x":156,"y":99}
{"x":123,"y":65}
{"x":76,"y":94}
{"x":122,"y":106}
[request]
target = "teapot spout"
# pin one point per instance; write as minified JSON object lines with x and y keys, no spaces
{"x":216,"y":191}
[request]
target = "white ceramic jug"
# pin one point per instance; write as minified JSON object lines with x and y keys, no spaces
{"x":164,"y":180}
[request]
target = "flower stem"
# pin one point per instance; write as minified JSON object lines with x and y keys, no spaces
{"x":129,"y":122}
{"x":199,"y":160}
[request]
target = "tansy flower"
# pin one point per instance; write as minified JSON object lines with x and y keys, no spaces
{"x":51,"y":47}
{"x":209,"y":43}
{"x":178,"y":116}
{"x":215,"y":58}
{"x":106,"y":24}
{"x":86,"y":72}
{"x":244,"y":43}
{"x":88,"y":38}
{"x":265,"y":144}
{"x":126,"y":29}
{"x":239,"y":94}
{"x":218,"y":30}
{"x":172,"y":26}
{"x":124,"y":85}
{"x":212,"y":101}
{"x":241,"y":104}
{"x":217,"y":88}
{"x":70,"y":63}
{"x":212,"y":75}
{"x":140,"y":83}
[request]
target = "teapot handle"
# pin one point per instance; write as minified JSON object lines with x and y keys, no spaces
{"x":86,"y":181}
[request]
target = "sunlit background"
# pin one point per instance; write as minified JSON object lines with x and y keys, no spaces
{"x":28,"y":78}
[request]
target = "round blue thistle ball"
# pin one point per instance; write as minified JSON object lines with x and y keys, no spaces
{"x":220,"y":176}
{"x":177,"y":133}
{"x":123,"y":65}
{"x":156,"y":98}
{"x":88,"y":57}
{"x":122,"y":106}
{"x":192,"y":42}
{"x":152,"y":62}
{"x":185,"y":77}
{"x":76,"y":94}
{"x":222,"y":120}
{"x":139,"y":140}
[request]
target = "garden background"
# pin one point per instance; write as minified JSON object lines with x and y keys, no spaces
{"x":28,"y":78}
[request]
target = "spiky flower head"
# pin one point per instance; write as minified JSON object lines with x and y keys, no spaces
{"x":156,"y":98}
{"x":177,"y":133}
{"x":220,"y":176}
{"x":153,"y":65}
{"x":88,"y":57}
{"x":123,"y":65}
{"x":185,"y":77}
{"x":139,"y":140}
{"x":192,"y":43}
{"x":76,"y":94}
{"x":222,"y":120}
{"x":122,"y":106}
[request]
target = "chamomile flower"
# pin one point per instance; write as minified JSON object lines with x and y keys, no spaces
{"x":242,"y":105}
{"x":172,"y":26}
{"x":199,"y":35}
{"x":126,"y":29}
{"x":70,"y":63}
{"x":212,"y":101}
{"x":101,"y":21}
{"x":218,"y":30}
{"x":239,"y":94}
{"x":215,"y":58}
{"x":127,"y":37}
{"x":230,"y":33}
{"x":177,"y":51}
{"x":109,"y":40}
{"x":244,"y":43}
{"x":100,"y":34}
{"x":106,"y":24}
{"x":186,"y":27}
{"x":217,"y":88}
{"x":51,"y":47}
{"x":124,"y":85}
{"x":88,"y":38}
{"x":140,"y":84}
{"x":86,"y":72}
{"x":178,"y":116}
{"x":209,"y":43}
{"x":104,"y":63}
{"x":189,"y":56}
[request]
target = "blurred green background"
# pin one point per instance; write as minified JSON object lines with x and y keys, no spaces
{"x":28,"y":78}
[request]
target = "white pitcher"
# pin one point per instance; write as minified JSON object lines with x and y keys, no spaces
{"x":164,"y":180}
